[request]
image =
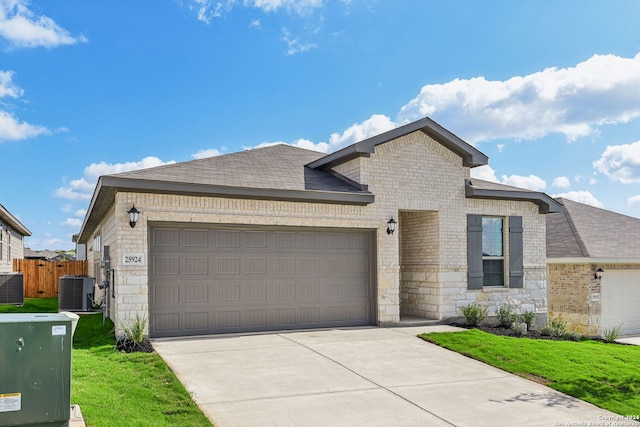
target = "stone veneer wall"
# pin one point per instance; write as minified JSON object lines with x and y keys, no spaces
{"x":410,"y":174}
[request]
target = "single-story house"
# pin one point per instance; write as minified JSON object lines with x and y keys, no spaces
{"x":12,"y":234}
{"x":283,"y":238}
{"x":48,"y":255}
{"x":593,"y":258}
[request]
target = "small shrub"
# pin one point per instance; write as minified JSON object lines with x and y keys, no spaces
{"x":474,"y":313}
{"x":134,"y":338}
{"x":528,"y":317}
{"x":519,"y":329}
{"x":506,"y":316}
{"x":611,"y":334}
{"x":135,"y":332}
{"x":556,"y":328}
{"x":572,"y":336}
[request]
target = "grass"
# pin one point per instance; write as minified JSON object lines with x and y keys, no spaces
{"x":116,"y":388}
{"x":606,"y":375}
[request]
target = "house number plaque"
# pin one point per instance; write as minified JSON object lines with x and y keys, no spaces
{"x":132,"y":259}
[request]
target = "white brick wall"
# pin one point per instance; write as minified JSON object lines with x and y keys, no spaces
{"x":415,"y":180}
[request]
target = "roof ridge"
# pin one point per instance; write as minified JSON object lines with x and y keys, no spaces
{"x":574,"y":230}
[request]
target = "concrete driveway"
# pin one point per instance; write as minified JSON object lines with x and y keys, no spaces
{"x":359,"y":377}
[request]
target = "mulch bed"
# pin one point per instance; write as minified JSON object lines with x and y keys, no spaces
{"x":531,"y":334}
{"x":129,"y":346}
{"x":508,"y":332}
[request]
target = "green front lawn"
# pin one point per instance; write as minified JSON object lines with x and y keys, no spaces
{"x":607,"y":375}
{"x":116,"y":388}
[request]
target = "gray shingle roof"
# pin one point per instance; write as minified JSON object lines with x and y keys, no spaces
{"x":583,"y":231}
{"x":280,"y":167}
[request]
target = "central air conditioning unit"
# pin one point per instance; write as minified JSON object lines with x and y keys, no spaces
{"x":11,"y":288}
{"x":75,"y":293}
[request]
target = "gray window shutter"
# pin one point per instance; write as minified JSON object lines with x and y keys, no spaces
{"x":516,"y":269}
{"x":474,"y":251}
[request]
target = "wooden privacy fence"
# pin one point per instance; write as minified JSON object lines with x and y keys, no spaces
{"x":41,"y":278}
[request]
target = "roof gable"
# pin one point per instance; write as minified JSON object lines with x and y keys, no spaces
{"x":583,"y":231}
{"x":471,"y":157}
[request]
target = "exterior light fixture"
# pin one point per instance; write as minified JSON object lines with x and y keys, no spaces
{"x":133,"y":216}
{"x":599,"y":273}
{"x":391,"y":226}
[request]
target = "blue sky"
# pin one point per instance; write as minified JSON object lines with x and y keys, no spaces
{"x":549,"y":90}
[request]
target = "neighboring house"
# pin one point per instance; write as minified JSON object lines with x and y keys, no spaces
{"x":12,"y":234}
{"x":582,"y":239}
{"x":284,"y":238}
{"x":48,"y":255}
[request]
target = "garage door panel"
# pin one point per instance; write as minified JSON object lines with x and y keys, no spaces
{"x":621,"y":300}
{"x":196,"y":266}
{"x":196,"y":238}
{"x":165,"y":237}
{"x":235,"y":280}
{"x":196,"y":294}
{"x":196,"y":321}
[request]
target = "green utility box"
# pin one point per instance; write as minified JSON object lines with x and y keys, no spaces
{"x":35,"y":369}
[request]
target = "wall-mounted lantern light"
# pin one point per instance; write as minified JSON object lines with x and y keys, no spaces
{"x":391,"y":226}
{"x":599,"y":273}
{"x":133,"y":216}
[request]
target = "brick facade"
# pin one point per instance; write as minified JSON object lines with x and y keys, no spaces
{"x":575,"y":294}
{"x":421,"y":269}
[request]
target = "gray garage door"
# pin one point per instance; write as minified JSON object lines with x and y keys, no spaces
{"x":227,"y":279}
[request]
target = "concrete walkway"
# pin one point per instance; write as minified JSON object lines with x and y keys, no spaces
{"x":359,"y":377}
{"x":633,"y":339}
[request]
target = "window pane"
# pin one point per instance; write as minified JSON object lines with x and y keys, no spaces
{"x":493,"y":272}
{"x":492,"y":237}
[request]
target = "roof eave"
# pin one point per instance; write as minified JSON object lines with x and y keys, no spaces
{"x":592,"y":260}
{"x":545,"y":203}
{"x":13,"y":222}
{"x":108,"y":186}
{"x":471,"y":157}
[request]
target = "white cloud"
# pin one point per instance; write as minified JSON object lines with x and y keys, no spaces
{"x":572,"y":101}
{"x":82,"y":188}
{"x":209,"y":152}
{"x":301,"y":7}
{"x":322,"y":147}
{"x":374,"y":125}
{"x":620,"y":163}
{"x":12,"y":129}
{"x":206,"y":10}
{"x":530,"y":182}
{"x":633,"y":200}
{"x":7,"y":87}
{"x":582,"y":197}
{"x":485,"y":173}
{"x":500,"y":147}
{"x":72,"y":222}
{"x":294,"y":46}
{"x":255,"y":24}
{"x":561,"y":182}
{"x":22,"y":28}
